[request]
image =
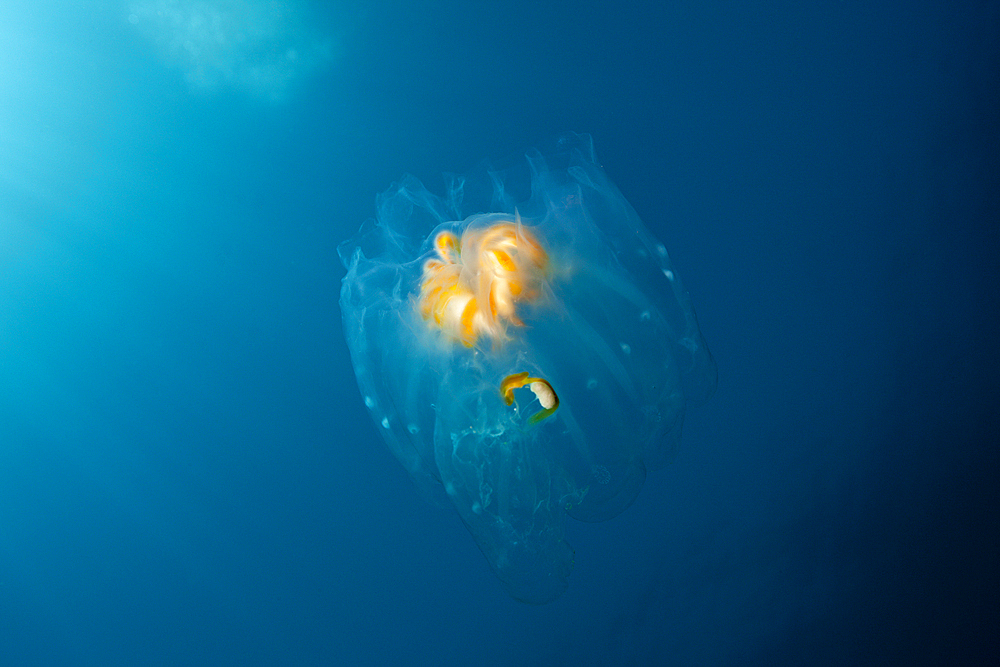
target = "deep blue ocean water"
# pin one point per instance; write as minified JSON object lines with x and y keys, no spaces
{"x":188,"y":474}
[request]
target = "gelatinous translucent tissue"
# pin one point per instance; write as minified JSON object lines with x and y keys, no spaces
{"x":529,"y":352}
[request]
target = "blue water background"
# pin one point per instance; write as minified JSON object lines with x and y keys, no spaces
{"x":188,"y":474}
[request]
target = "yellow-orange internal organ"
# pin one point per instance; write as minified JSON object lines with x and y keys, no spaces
{"x":540,"y":387}
{"x":473,"y":286}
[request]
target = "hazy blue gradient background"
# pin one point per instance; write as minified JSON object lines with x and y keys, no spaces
{"x":188,"y":474}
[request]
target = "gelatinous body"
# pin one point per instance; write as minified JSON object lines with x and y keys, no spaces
{"x":530,"y":360}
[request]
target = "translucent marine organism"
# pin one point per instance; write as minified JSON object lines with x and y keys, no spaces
{"x":530,"y":360}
